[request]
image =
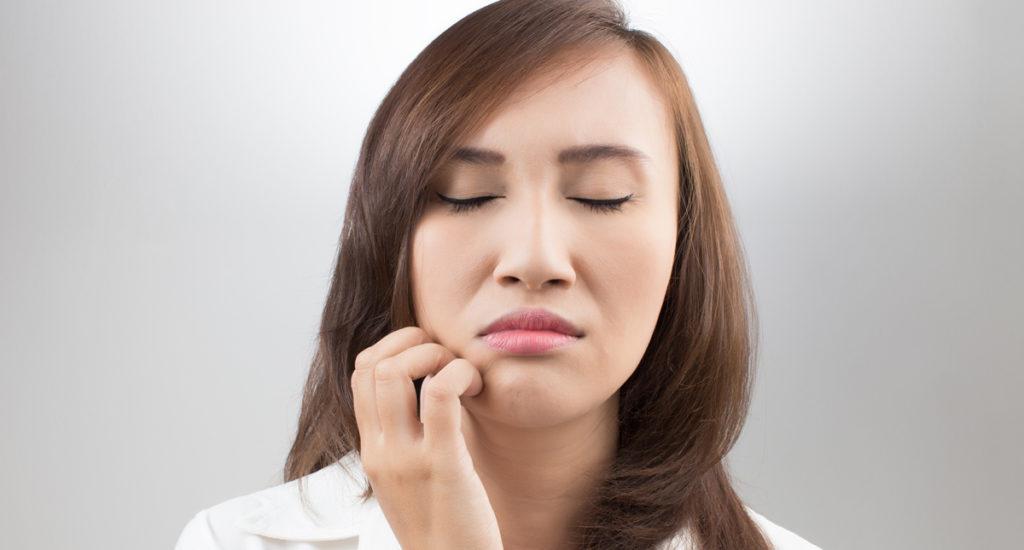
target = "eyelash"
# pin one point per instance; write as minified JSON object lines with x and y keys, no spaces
{"x":605,"y":206}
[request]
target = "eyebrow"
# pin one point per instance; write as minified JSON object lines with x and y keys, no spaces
{"x":580,"y":154}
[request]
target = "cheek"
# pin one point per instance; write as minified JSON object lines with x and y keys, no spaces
{"x":438,"y":271}
{"x":631,"y":278}
{"x":426,"y":251}
{"x":632,"y":266}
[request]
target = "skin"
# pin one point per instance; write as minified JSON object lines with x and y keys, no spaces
{"x":544,"y":425}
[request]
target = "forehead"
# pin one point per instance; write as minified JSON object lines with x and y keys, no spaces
{"x":611,"y":102}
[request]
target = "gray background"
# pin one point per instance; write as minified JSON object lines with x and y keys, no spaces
{"x":174,"y":176}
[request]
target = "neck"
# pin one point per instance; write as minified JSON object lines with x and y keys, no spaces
{"x":538,"y":479}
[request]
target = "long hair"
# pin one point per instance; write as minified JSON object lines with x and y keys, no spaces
{"x":682,"y":409}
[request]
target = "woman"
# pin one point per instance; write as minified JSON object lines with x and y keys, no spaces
{"x":538,"y":333}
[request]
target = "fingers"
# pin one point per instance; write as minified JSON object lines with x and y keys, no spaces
{"x":441,"y":408}
{"x":395,"y":391}
{"x":364,"y":400}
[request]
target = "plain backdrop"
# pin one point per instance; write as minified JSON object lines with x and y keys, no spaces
{"x":173,"y":181}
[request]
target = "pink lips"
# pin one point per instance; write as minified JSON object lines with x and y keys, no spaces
{"x":530,"y":331}
{"x":528,"y":341}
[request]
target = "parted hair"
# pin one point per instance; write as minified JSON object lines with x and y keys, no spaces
{"x":683,"y":408}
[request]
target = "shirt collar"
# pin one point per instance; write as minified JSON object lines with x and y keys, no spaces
{"x":334,"y":512}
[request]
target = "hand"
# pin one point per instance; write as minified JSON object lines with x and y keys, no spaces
{"x":421,"y":472}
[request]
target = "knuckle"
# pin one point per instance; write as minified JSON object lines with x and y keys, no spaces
{"x":385,"y":370}
{"x":457,"y":367}
{"x":363,"y":360}
{"x":436,"y":391}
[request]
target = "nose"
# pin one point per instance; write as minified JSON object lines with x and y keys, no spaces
{"x":536,"y":248}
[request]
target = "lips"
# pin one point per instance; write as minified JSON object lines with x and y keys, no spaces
{"x":527,"y":342}
{"x":532,"y":319}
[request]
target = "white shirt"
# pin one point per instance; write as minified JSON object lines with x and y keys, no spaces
{"x":274,"y":519}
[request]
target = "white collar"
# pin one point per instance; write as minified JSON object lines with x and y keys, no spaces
{"x":335,"y":510}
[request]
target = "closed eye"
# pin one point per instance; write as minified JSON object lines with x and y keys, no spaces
{"x":597,"y":205}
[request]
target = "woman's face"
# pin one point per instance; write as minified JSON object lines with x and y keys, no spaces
{"x":537,"y":246}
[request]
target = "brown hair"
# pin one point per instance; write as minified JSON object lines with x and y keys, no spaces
{"x":684,"y":406}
